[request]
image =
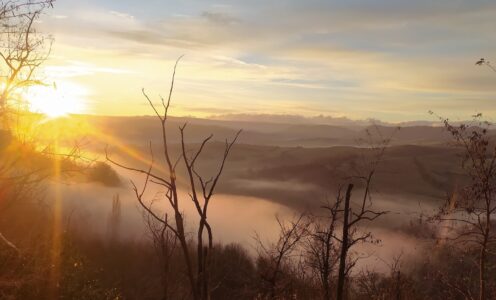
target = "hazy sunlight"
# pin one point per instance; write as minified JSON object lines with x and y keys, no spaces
{"x":56,"y":100}
{"x":213,"y":150}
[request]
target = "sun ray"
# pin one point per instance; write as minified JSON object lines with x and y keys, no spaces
{"x":56,"y":246}
{"x":128,"y":150}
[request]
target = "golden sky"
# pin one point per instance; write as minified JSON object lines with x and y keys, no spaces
{"x":388,"y":60}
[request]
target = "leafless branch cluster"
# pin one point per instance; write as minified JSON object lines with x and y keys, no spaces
{"x":322,"y":247}
{"x":325,"y":252}
{"x":467,"y":214}
{"x":351,"y":233}
{"x":22,"y":48}
{"x":275,"y":258}
{"x":22,"y":51}
{"x":376,"y":286}
{"x":165,"y":244}
{"x":355,"y":214}
{"x":201,"y":189}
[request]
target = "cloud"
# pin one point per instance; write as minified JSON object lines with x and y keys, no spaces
{"x":231,"y":61}
{"x":385,"y":21}
{"x":207,"y":110}
{"x":77,"y":68}
{"x":355,"y":57}
{"x":121,"y":14}
{"x":219,"y":18}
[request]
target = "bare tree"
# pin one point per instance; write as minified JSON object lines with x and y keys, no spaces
{"x":200,"y":189}
{"x":22,"y":49}
{"x":353,"y":216}
{"x":165,"y":242}
{"x":275,"y":257}
{"x":373,"y":285}
{"x":321,"y":246}
{"x":20,"y":55}
{"x":467,"y":213}
{"x":114,"y":220}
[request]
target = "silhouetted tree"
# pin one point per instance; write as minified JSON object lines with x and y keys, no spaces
{"x":275,"y":258}
{"x":165,"y":243}
{"x":103,"y":173}
{"x":234,"y":272}
{"x":322,"y":248}
{"x":114,"y":220}
{"x":468,"y":212}
{"x":354,"y":216}
{"x":395,"y":285}
{"x":22,"y":49}
{"x":201,"y":191}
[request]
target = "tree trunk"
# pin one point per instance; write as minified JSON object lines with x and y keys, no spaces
{"x":344,"y":245}
{"x":327,"y":292}
{"x":482,"y":264}
{"x":483,"y":252}
{"x":482,"y":275}
{"x":185,"y":249}
{"x":398,"y":285}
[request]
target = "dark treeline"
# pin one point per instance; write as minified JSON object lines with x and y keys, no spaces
{"x":114,"y":268}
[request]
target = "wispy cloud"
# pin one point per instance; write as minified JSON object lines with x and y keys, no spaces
{"x":388,"y":59}
{"x":77,"y":68}
{"x":121,"y":14}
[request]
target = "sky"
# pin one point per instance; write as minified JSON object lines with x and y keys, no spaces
{"x":360,"y":59}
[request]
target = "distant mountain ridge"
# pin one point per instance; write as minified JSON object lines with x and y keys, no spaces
{"x":319,"y":119}
{"x":146,"y":128}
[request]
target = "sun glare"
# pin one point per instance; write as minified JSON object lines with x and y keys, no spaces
{"x":56,"y":100}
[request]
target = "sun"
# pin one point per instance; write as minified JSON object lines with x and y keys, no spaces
{"x":57,"y":100}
